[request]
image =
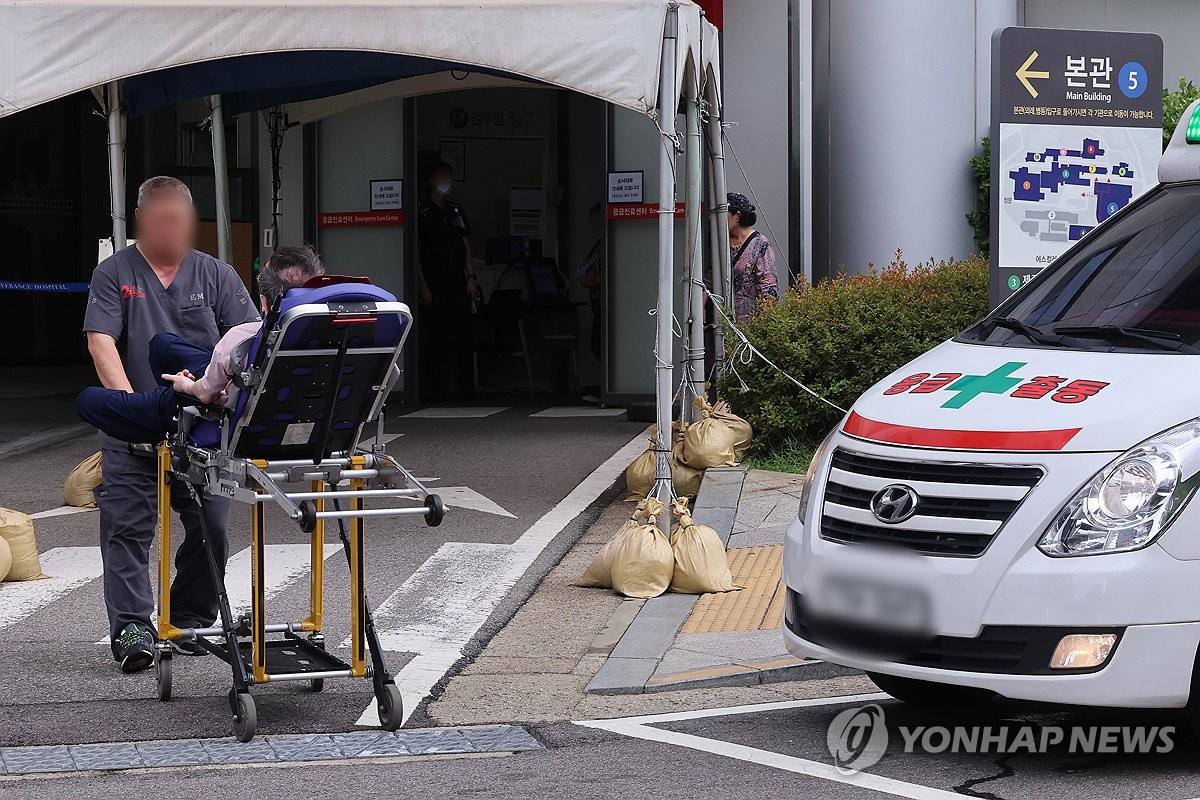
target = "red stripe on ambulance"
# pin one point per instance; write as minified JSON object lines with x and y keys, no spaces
{"x":862,"y":427}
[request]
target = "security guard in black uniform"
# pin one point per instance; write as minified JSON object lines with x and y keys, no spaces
{"x":448,"y":288}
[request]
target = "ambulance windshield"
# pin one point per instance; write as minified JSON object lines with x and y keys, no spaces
{"x":1133,"y":285}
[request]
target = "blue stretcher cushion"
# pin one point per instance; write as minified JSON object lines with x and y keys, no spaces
{"x":290,"y":412}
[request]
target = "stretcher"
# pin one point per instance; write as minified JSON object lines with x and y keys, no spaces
{"x":315,"y":378}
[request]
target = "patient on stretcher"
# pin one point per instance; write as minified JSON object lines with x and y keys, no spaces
{"x":189,"y":370}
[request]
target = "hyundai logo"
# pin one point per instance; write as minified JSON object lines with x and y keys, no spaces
{"x":894,"y":503}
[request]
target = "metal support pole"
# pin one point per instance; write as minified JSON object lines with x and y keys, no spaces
{"x":722,"y":279}
{"x":716,"y":220}
{"x":116,"y":162}
{"x":221,"y":178}
{"x":663,"y":346}
{"x":693,"y":263}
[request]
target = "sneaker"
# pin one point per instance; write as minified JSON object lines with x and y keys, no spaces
{"x":134,"y":648}
{"x":188,"y":647}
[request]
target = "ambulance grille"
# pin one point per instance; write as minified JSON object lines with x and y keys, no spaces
{"x":959,"y":508}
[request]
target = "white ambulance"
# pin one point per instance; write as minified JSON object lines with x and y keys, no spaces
{"x":1012,"y":513}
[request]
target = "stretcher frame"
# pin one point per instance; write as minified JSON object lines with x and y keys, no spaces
{"x":300,"y":655}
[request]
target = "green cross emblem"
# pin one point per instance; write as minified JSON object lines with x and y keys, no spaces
{"x":998,"y":381}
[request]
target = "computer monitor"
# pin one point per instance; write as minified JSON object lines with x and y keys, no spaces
{"x":545,"y":282}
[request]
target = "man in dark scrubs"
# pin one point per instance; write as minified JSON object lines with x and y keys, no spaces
{"x":161,"y":284}
{"x":448,"y":287}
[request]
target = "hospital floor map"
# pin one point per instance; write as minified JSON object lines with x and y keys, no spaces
{"x":1061,"y":181}
{"x":1052,"y":170}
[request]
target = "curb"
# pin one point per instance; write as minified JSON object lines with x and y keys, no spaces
{"x":40,"y":439}
{"x":634,"y":658}
{"x":749,"y":675}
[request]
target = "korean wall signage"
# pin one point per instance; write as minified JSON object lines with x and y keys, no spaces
{"x":1076,"y":135}
{"x":619,"y":211}
{"x":387,"y":195}
{"x":359,"y":219}
{"x":387,"y":208}
{"x":626,"y":187}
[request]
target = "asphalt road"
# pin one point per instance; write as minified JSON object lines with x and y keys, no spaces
{"x":773,"y":753}
{"x":60,"y":686}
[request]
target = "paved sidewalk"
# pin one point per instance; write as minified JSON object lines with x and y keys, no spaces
{"x":727,"y":639}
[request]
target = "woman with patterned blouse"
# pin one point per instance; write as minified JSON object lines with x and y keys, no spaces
{"x":752,"y":257}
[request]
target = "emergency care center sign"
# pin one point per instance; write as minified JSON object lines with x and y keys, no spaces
{"x":1076,"y":135}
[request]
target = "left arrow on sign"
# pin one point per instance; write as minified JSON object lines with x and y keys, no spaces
{"x":1025,"y":73}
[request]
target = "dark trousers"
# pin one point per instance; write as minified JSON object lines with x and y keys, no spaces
{"x":128,"y":501}
{"x":449,"y":351}
{"x":143,"y":416}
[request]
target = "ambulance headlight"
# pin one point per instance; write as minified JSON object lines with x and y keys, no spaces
{"x":818,"y":456}
{"x":1131,"y":501}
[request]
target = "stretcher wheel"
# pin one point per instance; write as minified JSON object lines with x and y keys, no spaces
{"x":162,"y":676}
{"x":246,"y":722}
{"x":391,"y":708}
{"x":308,"y":516}
{"x":437,"y":510}
{"x":316,"y":684}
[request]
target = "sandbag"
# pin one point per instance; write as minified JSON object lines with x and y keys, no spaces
{"x":742,"y":432}
{"x":639,"y":475}
{"x":598,"y":575}
{"x":685,"y":479}
{"x":644,"y":562}
{"x":5,"y":559}
{"x":701,"y":564}
{"x":77,"y":491}
{"x":678,"y":429}
{"x":709,"y":442}
{"x":17,"y":529}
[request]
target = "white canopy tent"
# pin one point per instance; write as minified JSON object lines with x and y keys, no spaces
{"x":650,"y":56}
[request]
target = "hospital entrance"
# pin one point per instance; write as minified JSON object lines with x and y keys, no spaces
{"x":527,"y":167}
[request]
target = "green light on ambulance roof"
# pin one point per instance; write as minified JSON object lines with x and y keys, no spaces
{"x":1193,"y":128}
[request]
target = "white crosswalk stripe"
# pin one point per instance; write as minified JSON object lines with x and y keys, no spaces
{"x":63,"y":511}
{"x":466,"y":497}
{"x":446,"y":601}
{"x":68,"y":568}
{"x":284,"y":565}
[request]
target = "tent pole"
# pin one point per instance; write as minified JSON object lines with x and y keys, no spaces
{"x":722,"y":279}
{"x":116,"y":162}
{"x":694,"y":260}
{"x":221,"y":178}
{"x":716,"y":205}
{"x":663,"y":347}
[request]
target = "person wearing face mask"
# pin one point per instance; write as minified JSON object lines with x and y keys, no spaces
{"x":447,"y":287}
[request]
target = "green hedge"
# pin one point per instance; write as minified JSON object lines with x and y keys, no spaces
{"x":842,"y":336}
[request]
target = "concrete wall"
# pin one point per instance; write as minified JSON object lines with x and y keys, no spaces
{"x":353,"y":148}
{"x":897,"y":110}
{"x":1176,"y":21}
{"x":755,"y":62}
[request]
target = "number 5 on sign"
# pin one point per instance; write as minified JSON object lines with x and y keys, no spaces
{"x":1132,"y":79}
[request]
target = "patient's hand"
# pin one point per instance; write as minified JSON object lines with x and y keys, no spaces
{"x":185,"y":383}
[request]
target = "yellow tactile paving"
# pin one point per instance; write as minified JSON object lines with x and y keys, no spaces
{"x":757,"y":607}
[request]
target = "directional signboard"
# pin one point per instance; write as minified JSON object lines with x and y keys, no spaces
{"x":1076,"y":135}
